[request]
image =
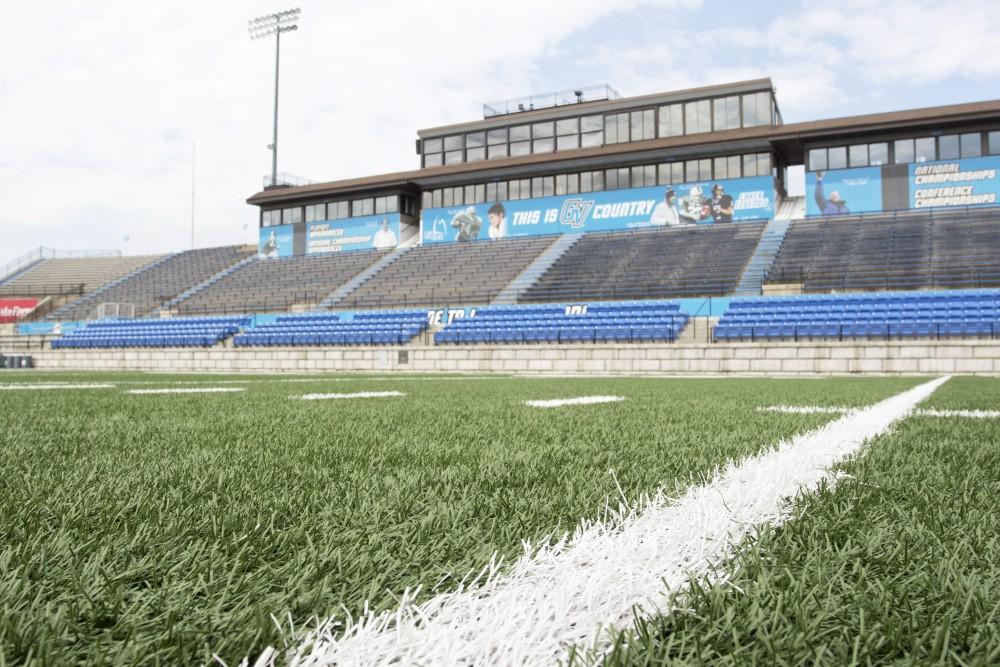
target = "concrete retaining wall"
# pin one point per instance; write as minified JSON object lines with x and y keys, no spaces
{"x":964,"y":356}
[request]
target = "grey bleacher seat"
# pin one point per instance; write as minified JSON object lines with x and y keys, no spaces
{"x":151,"y":288}
{"x":72,"y":276}
{"x":276,"y":285}
{"x":650,"y":264}
{"x":906,"y":250}
{"x":448,"y":274}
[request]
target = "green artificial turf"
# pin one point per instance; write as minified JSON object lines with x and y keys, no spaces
{"x":899,"y":565}
{"x":148,"y":530}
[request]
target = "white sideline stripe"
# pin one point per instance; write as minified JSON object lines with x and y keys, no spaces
{"x":972,"y":414}
{"x":42,"y":385}
{"x":580,"y":400}
{"x":805,"y":409}
{"x":187,"y":390}
{"x":818,"y":409}
{"x":360,"y":394}
{"x":580,"y":589}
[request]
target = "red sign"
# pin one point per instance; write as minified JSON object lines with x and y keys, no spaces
{"x":12,"y":310}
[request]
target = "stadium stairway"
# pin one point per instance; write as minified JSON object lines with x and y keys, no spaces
{"x":534,"y":271}
{"x":752,"y":281}
{"x":206,"y":283}
{"x":93,"y":297}
{"x":357,"y":281}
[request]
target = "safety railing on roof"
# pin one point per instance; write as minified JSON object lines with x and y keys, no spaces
{"x":547,"y":100}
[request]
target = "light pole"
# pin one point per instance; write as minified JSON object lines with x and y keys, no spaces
{"x":264,"y":26}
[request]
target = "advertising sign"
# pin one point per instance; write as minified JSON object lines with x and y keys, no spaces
{"x":709,"y":202}
{"x":373,"y":231}
{"x":276,"y":241}
{"x":941,"y":184}
{"x":12,"y":310}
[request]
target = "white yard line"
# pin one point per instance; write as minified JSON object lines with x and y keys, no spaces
{"x":581,"y":589}
{"x":580,"y":400}
{"x":39,"y":386}
{"x":360,"y":394}
{"x":819,"y":409}
{"x":972,"y":414}
{"x":187,"y":390}
{"x":805,"y":409}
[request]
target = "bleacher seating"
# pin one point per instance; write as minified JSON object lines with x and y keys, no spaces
{"x":620,"y":322}
{"x":906,"y":250}
{"x":390,"y":327}
{"x":72,"y":276}
{"x":650,"y":264}
{"x":274,"y":285}
{"x":151,"y":288}
{"x":887,"y":315}
{"x":170,"y":332}
{"x":448,"y":274}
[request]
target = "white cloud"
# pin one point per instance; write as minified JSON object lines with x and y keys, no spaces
{"x":100,"y":104}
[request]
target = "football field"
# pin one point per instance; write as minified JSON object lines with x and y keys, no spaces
{"x":181,"y":519}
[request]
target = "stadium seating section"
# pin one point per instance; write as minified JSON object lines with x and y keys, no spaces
{"x":620,"y":322}
{"x":887,"y":315}
{"x":278,"y":284}
{"x":72,"y":276}
{"x":151,"y":288}
{"x":912,"y":250}
{"x":650,"y":264}
{"x":392,"y":327}
{"x":171,"y":332}
{"x":448,"y":274}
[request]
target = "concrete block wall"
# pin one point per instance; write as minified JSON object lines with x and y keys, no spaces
{"x":877,"y":357}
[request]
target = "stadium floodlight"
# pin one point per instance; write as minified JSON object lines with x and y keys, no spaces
{"x":265,"y":26}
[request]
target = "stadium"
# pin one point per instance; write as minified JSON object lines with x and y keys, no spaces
{"x":606,"y":380}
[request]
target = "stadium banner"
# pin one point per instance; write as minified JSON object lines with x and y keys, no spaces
{"x":276,"y":241}
{"x":40,"y":328}
{"x":372,"y":231}
{"x":12,"y":310}
{"x":707,"y":202}
{"x":941,"y":184}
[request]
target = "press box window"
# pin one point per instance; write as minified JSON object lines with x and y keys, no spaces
{"x":567,"y":134}
{"x":727,"y":113}
{"x":290,"y":216}
{"x":756,"y":109}
{"x":386,"y":204}
{"x":817,"y":159}
{"x":972,"y":145}
{"x":497,"y":143}
{"x":642,"y":125}
{"x":670,"y":173}
{"x":591,"y":131}
{"x":432,"y":152}
{"x":728,"y":167}
{"x":993,"y":141}
{"x":337,"y":210}
{"x":362,"y":207}
{"x":672,"y":120}
{"x":475,"y":146}
{"x":616,"y":128}
{"x":315,"y":212}
{"x":270,"y":218}
{"x":698,"y":116}
{"x":520,"y":140}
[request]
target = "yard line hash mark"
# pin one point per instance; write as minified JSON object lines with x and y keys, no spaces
{"x":360,"y":394}
{"x":187,"y":390}
{"x":580,"y":400}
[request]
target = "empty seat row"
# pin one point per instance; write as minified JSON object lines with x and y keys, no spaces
{"x":378,"y":328}
{"x":918,"y":314}
{"x":183,"y":332}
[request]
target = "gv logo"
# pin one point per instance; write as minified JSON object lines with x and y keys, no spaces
{"x":574,"y":212}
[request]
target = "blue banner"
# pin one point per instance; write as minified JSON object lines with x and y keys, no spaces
{"x":969,"y":182}
{"x":374,"y":231}
{"x":941,"y":184}
{"x":708,"y":202}
{"x":276,"y":241}
{"x":844,"y":191}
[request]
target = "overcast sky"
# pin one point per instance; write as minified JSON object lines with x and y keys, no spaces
{"x":100,"y":103}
